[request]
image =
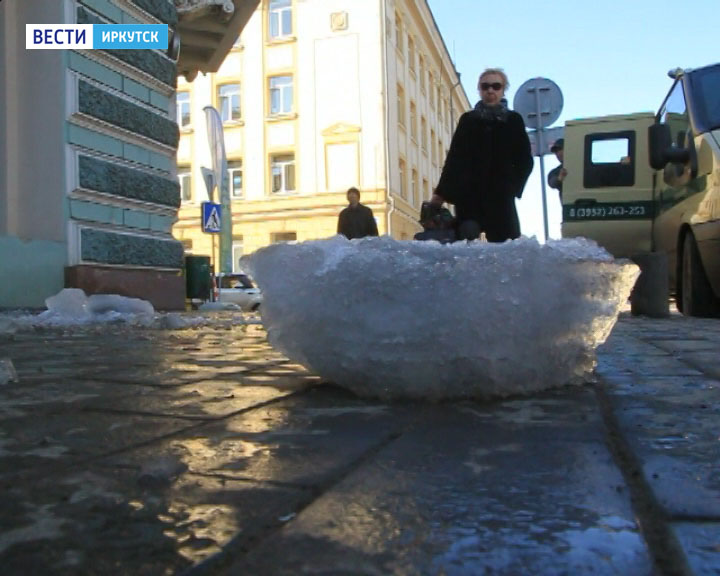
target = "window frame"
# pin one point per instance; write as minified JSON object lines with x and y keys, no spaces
{"x":281,"y":90}
{"x":178,"y":109}
{"x":414,"y":186}
{"x":235,"y":166}
{"x":411,"y":54}
{"x":401,"y":105}
{"x":277,"y":9}
{"x":185,"y":172}
{"x":399,"y":38}
{"x":609,"y":174}
{"x":431,"y":89}
{"x":413,"y":121}
{"x":221,"y":98}
{"x":285,"y":175}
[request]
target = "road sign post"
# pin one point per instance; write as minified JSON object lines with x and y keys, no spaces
{"x":216,"y":141}
{"x":540,"y":103}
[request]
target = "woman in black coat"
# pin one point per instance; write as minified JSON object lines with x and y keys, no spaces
{"x":487,"y":166}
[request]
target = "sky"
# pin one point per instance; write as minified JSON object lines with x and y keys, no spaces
{"x":606,"y":56}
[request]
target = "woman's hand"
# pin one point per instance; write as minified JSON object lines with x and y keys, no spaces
{"x":437,"y":200}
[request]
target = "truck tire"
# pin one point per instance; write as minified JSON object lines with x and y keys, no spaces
{"x":696,"y":294}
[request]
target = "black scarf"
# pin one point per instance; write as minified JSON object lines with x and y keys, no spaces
{"x":497,"y":113}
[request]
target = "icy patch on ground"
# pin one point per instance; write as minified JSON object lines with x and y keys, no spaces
{"x":71,"y":307}
{"x":420,"y":319}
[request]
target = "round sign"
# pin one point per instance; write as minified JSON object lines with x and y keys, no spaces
{"x":538,"y":99}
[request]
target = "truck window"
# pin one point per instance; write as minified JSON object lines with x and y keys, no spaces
{"x":708,"y":96}
{"x":674,"y":113}
{"x":609,"y":159}
{"x":610,"y":151}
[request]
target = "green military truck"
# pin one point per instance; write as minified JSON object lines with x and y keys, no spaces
{"x":650,"y":184}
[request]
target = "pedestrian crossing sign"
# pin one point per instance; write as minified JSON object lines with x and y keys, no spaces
{"x":211,"y":217}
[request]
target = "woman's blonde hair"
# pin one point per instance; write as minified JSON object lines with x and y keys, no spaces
{"x":498,"y":71}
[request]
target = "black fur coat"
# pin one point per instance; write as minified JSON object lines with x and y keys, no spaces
{"x":486,"y":169}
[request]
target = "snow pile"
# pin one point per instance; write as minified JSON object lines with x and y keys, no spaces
{"x":419,"y":319}
{"x":71,"y":307}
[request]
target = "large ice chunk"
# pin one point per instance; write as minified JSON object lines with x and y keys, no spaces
{"x":420,"y":319}
{"x":72,"y":306}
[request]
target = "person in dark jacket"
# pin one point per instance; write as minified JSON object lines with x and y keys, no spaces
{"x":487,"y":166}
{"x":557,"y":175}
{"x":357,"y":220}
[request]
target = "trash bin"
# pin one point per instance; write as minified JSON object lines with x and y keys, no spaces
{"x":198,"y":278}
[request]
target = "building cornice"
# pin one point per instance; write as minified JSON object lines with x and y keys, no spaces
{"x":207,"y":30}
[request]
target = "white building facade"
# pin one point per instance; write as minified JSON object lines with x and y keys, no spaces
{"x":317,"y":96}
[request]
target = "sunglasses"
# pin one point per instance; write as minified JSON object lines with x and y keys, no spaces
{"x":497,"y":86}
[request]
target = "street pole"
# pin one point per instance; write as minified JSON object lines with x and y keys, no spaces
{"x":539,"y":101}
{"x":216,"y":140}
{"x":541,"y":148}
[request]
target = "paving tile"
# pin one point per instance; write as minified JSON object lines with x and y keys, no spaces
{"x":701,"y":544}
{"x":304,"y":440}
{"x":458,"y":495}
{"x":35,"y":446}
{"x":671,"y":425}
{"x":106,"y":520}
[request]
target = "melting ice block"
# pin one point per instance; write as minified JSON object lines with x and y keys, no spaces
{"x":394,"y":319}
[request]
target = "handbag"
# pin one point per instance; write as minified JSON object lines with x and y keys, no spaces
{"x":438,"y":224}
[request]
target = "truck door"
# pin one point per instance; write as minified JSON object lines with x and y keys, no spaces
{"x":671,"y":183}
{"x":687,"y":228}
{"x":607,"y":194}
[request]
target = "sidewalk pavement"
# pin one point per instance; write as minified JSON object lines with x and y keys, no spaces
{"x":204,"y":451}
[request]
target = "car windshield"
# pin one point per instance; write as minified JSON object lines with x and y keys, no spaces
{"x":707,"y":88}
{"x":236,"y":281}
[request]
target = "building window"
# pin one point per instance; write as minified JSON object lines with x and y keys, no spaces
{"x":411,"y":53}
{"x":278,"y":237}
{"x":423,"y":75}
{"x":182,"y":105}
{"x":415,"y":185}
{"x":426,"y":189}
{"x":423,"y":132}
{"x":281,"y":95}
{"x":401,"y":105}
{"x":229,"y":102}
{"x":237,"y":253}
{"x":235,"y":178}
{"x":434,"y":149}
{"x":185,"y":179}
{"x":280,"y":18}
{"x":431,"y":89}
{"x":413,"y":120}
{"x":398,"y":32}
{"x":282,"y":169}
{"x":403,"y":178}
